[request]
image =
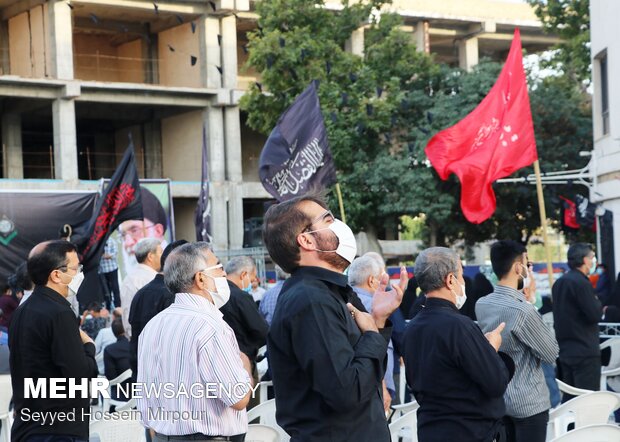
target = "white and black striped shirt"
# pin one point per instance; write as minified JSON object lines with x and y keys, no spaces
{"x":527,"y":341}
{"x":186,"y":346}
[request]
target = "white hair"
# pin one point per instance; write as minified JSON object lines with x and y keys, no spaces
{"x":362,"y":268}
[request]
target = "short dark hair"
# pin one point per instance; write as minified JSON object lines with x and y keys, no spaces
{"x":169,"y":248}
{"x":117,"y":327}
{"x":504,"y":253}
{"x":576,"y":253}
{"x":53,"y":256}
{"x":282,"y":223}
{"x":152,"y":208}
{"x":94,"y":306}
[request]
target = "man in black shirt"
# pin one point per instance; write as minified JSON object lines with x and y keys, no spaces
{"x":46,"y":342}
{"x":576,"y":313}
{"x":116,"y":361}
{"x":327,"y":356}
{"x":241,"y":312}
{"x":455,"y":372}
{"x":148,"y":301}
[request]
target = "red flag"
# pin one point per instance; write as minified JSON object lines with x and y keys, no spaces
{"x":492,"y":142}
{"x":570,"y":214}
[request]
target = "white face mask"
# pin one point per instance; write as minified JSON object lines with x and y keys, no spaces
{"x":593,"y":268}
{"x":222,"y":293}
{"x":460,"y":299}
{"x":76,"y":282}
{"x":347,"y":246}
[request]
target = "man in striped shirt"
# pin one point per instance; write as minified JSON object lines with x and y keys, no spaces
{"x":526,"y":340}
{"x":191,"y":355}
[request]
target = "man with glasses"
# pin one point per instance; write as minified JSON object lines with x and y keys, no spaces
{"x":46,"y":342}
{"x":576,"y":312}
{"x":199,"y":349}
{"x":326,"y":355}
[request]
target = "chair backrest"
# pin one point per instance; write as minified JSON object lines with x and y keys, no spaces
{"x":614,"y":346}
{"x":265,"y":412}
{"x":588,"y":409}
{"x":261,"y":433}
{"x":402,"y":409}
{"x":6,"y":392}
{"x":121,"y":377}
{"x":405,"y":426}
{"x":111,"y":430}
{"x":565,"y":388}
{"x":592,"y":433}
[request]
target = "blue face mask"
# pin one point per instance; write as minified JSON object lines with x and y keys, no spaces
{"x":248,"y":289}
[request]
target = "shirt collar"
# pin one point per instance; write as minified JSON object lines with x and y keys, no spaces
{"x":440,"y":302}
{"x":509,"y":291}
{"x":196,"y":302}
{"x":146,"y":268}
{"x":362,"y":292}
{"x":52,"y":294}
{"x":323,"y":274}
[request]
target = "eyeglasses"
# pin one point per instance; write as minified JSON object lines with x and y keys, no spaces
{"x":135,"y":231}
{"x":215,"y":267}
{"x":326,"y":216}
{"x":77,"y":269}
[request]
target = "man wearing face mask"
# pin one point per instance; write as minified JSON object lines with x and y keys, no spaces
{"x":527,"y":340}
{"x":455,"y":371}
{"x":46,"y":342}
{"x":327,"y":357}
{"x":576,"y":312}
{"x":199,"y":349}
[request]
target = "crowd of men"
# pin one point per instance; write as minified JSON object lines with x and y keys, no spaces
{"x":334,"y":332}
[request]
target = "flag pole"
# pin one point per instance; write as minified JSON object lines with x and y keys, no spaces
{"x":340,"y":203}
{"x":543,"y":222}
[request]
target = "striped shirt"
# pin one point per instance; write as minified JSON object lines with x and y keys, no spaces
{"x":527,"y":340}
{"x":189,"y":346}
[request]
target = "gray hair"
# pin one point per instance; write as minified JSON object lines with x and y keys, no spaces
{"x":281,"y":275}
{"x":144,"y":247}
{"x":239,"y":264}
{"x":182,"y":264}
{"x":362,"y":268}
{"x":433,"y":266}
{"x":377,"y":257}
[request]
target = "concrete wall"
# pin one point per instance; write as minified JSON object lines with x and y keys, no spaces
{"x":181,"y":137}
{"x":95,"y":58}
{"x":251,"y":146}
{"x":175,"y":67}
{"x":604,"y":16}
{"x":27,"y":43}
{"x":184,"y":218}
{"x":122,"y":141}
{"x":130,"y":62}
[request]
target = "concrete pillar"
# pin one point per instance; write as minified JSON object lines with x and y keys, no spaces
{"x":210,"y":54}
{"x":234,"y":173}
{"x":355,"y":43}
{"x":229,"y":52}
{"x":214,"y":122}
{"x":468,"y":53}
{"x":153,"y":149}
{"x":12,"y":142}
{"x":65,"y":140}
{"x":61,"y":40}
{"x":421,"y":37}
{"x":5,"y":64}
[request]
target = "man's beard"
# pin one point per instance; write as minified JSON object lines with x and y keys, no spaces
{"x":330,"y":242}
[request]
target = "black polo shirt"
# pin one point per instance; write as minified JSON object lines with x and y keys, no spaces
{"x":455,"y":375}
{"x":45,"y":342}
{"x":327,"y":374}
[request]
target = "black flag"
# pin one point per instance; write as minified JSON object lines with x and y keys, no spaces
{"x":119,"y":202}
{"x":203,"y":210}
{"x":296,"y":157}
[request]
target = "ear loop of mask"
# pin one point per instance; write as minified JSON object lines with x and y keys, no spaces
{"x":319,"y":250}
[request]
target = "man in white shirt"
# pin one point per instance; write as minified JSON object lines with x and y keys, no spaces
{"x":148,"y":253}
{"x":188,"y":345}
{"x":104,"y":338}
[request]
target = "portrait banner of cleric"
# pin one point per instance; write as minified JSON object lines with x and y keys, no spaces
{"x":326,"y":353}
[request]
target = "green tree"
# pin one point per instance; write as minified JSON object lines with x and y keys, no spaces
{"x":570,"y":20}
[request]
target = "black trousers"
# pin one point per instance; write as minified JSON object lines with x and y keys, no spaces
{"x":581,"y":373}
{"x":527,"y":429}
{"x":110,"y":281}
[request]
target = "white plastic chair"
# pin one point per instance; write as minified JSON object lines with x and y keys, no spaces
{"x":6,"y":392}
{"x":613,"y":368}
{"x":117,"y":380}
{"x":264,"y":385}
{"x":588,"y":409}
{"x":132,"y":403}
{"x":402,"y":409}
{"x":569,"y":389}
{"x":111,"y":430}
{"x":405,"y":427}
{"x":266,"y":414}
{"x":262,"y":433}
{"x":592,"y":433}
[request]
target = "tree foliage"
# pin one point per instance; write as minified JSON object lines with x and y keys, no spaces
{"x":381,"y":109}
